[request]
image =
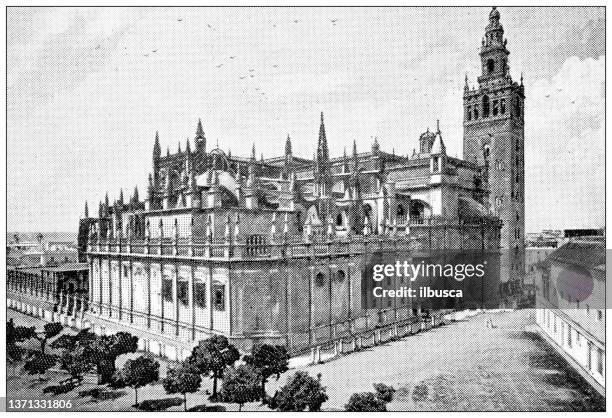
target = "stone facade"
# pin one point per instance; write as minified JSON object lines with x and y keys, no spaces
{"x":275,"y":249}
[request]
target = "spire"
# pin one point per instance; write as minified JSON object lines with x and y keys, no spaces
{"x":86,"y":210}
{"x":322,"y":150}
{"x":466,"y":87}
{"x":135,"y":194}
{"x":106,"y":200}
{"x":253,"y":152}
{"x":199,"y":130}
{"x":438,"y":126}
{"x":438,"y":146}
{"x":188,"y":147}
{"x":179,"y":147}
{"x":121,"y":196}
{"x":168,"y":151}
{"x":156,"y":147}
{"x":375,"y":146}
{"x":288,"y":150}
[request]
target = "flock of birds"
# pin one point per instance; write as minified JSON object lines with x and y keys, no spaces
{"x":250,"y":75}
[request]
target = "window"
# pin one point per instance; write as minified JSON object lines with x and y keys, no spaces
{"x":485,"y":106}
{"x":469,"y":113}
{"x":495,"y":107}
{"x":569,"y":335}
{"x":167,"y":290}
{"x":600,"y":362}
{"x":339,"y":220}
{"x":490,"y":65}
{"x":182,"y":289}
{"x":436,"y":164}
{"x":319,"y":279}
{"x":502,"y":106}
{"x":125,"y":271}
{"x":340,"y":276}
{"x":587,"y":309}
{"x":517,"y":107}
{"x":219,"y":297}
{"x":476,"y":112}
{"x":199,"y":290}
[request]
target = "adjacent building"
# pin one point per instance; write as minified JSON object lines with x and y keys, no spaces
{"x":570,"y":302}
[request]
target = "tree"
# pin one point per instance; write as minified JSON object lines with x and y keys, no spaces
{"x":300,"y":392}
{"x":18,"y":334}
{"x":76,"y":363}
{"x":384,"y":392}
{"x":103,"y":350}
{"x":14,"y":335}
{"x":40,"y":363}
{"x":268,"y":360}
{"x":240,"y":385}
{"x":365,"y":402}
{"x":370,"y":402}
{"x":139,"y":372}
{"x":14,"y":354}
{"x":109,"y":348}
{"x":183,"y":379}
{"x":50,"y":330}
{"x":212,"y":356}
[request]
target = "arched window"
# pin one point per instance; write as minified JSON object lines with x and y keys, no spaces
{"x":502,"y":106}
{"x":340,"y":276}
{"x":495,"y":107}
{"x":490,"y":65}
{"x":476,"y":112}
{"x":469,"y":113}
{"x":319,"y":279}
{"x":485,"y":106}
{"x":486,"y":152}
{"x":517,"y":107}
{"x":339,"y":220}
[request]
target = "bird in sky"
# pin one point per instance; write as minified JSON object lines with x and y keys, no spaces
{"x":220,"y":65}
{"x":275,"y":66}
{"x":243,"y":77}
{"x":334,"y":20}
{"x":232,"y":57}
{"x":179,"y":20}
{"x":154,"y":51}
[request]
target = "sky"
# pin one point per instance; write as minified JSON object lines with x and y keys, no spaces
{"x":89,"y":87}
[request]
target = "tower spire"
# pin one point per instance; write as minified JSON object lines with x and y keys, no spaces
{"x":199,"y":130}
{"x":288,"y":150}
{"x":86,"y":210}
{"x":156,"y":147}
{"x":322,"y":149}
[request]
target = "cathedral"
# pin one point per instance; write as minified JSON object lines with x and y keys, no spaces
{"x":275,"y":249}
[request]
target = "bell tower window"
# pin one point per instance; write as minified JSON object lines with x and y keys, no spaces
{"x":485,"y":106}
{"x":490,"y":65}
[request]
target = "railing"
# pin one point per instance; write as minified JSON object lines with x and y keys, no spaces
{"x":424,"y":233}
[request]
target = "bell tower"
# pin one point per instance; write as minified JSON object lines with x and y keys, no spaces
{"x":494,"y":138}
